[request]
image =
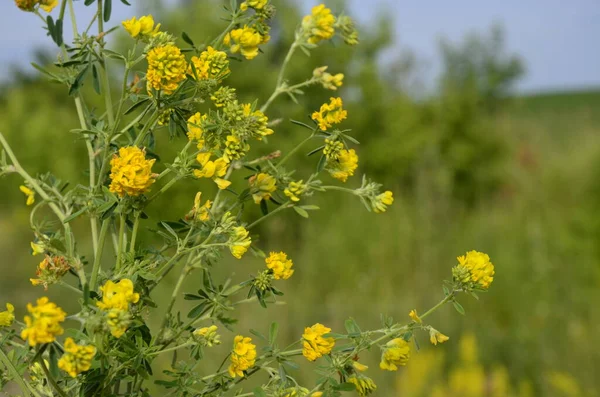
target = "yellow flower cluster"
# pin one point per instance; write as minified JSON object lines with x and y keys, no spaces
{"x":256,"y":4}
{"x":207,"y":336}
{"x":436,"y":336}
{"x":200,"y":212}
{"x":364,"y":385}
{"x":332,"y":148}
{"x":262,"y":185}
{"x":50,"y":271}
{"x":319,"y":24}
{"x":344,"y":166}
{"x":29,"y":193}
{"x":29,"y":5}
{"x":142,"y":28}
{"x":328,"y":80}
{"x":396,"y":352}
{"x":244,"y":40}
{"x":116,"y":298}
{"x":131,"y":174}
{"x":212,"y":169}
{"x":43,"y":326}
{"x":222,"y":96}
{"x":330,"y":113}
{"x":294,"y":190}
{"x":281,"y":266}
{"x":166,"y":68}
{"x":7,"y":317}
{"x":243,"y":356}
{"x":314,"y":344}
{"x":235,"y":149}
{"x":211,"y":64}
{"x":195,"y":129}
{"x":382,"y":201}
{"x":257,"y":121}
{"x":77,"y":358}
{"x":239,"y":241}
{"x":474,"y":270}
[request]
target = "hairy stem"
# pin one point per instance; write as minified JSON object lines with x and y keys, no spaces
{"x":27,"y":390}
{"x":98,"y":254}
{"x":120,"y":248}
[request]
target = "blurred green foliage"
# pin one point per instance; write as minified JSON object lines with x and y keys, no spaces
{"x":471,"y":167}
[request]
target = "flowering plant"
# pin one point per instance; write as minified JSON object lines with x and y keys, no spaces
{"x":112,"y":348}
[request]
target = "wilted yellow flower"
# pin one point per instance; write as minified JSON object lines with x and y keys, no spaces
{"x":344,"y":166}
{"x":212,"y":169}
{"x":243,"y":356}
{"x":29,"y":193}
{"x":239,"y":241}
{"x":166,"y":68}
{"x":256,"y":4}
{"x":235,"y":149}
{"x":245,"y":40}
{"x":207,"y":336}
{"x":474,"y":270}
{"x":295,"y":190}
{"x":436,"y":336}
{"x":43,"y":326}
{"x":211,"y":64}
{"x":50,"y":271}
{"x":77,"y":358}
{"x":256,"y":121}
{"x":330,"y":113}
{"x":117,"y":295}
{"x":314,"y":345}
{"x":262,"y":185}
{"x":26,"y":5}
{"x":364,"y":385}
{"x":194,"y":125}
{"x":345,"y":24}
{"x":200,"y":212}
{"x":48,"y":5}
{"x":415,"y":317}
{"x":130,"y":173}
{"x":118,"y":321}
{"x":381,"y":201}
{"x":319,"y":25}
{"x":143,"y":27}
{"x":280,"y":264}
{"x":7,"y":317}
{"x":396,"y":352}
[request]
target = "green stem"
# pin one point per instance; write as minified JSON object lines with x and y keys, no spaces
{"x":340,"y":188}
{"x":447,"y":299}
{"x":140,"y":138}
{"x":276,"y":210}
{"x":184,"y":272}
{"x":136,"y":225}
{"x":171,"y":349}
{"x":122,"y":220}
{"x":69,"y":286}
{"x":279,"y":89}
{"x":166,"y":187}
{"x":15,"y":374}
{"x":98,"y":256}
{"x":294,"y":150}
{"x":50,"y":378}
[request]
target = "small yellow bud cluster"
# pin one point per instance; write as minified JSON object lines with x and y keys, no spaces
{"x":222,"y":96}
{"x":318,"y":25}
{"x":328,"y":80}
{"x":364,"y":385}
{"x":116,"y":298}
{"x":77,"y":358}
{"x":332,"y":149}
{"x":207,"y":336}
{"x":7,"y":317}
{"x":261,"y":186}
{"x":235,"y":149}
{"x":330,"y":113}
{"x":295,"y":190}
{"x":211,"y":64}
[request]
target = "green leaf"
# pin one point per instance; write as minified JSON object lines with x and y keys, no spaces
{"x":107,"y":10}
{"x":137,"y":105}
{"x":263,"y":207}
{"x":258,"y":334}
{"x":301,"y":211}
{"x":317,"y":150}
{"x":53,"y":359}
{"x":125,"y":2}
{"x":322,"y":162}
{"x":198,"y":310}
{"x":58,"y":32}
{"x":310,"y":207}
{"x":169,"y":229}
{"x":459,"y":307}
{"x":273,"y":333}
{"x":78,"y":81}
{"x":88,"y":2}
{"x":351,"y":326}
{"x":346,"y":386}
{"x":75,"y":215}
{"x":95,"y":80}
{"x":187,"y":39}
{"x":259,"y":392}
{"x":302,"y":124}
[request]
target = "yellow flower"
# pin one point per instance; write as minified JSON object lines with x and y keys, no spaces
{"x":77,"y":358}
{"x":200,"y":212}
{"x":50,"y":271}
{"x":26,"y":5}
{"x":117,"y":295}
{"x":436,"y":336}
{"x":257,"y":121}
{"x":314,"y":344}
{"x":295,"y":190}
{"x":364,"y":385}
{"x":415,"y":317}
{"x":48,"y":5}
{"x":43,"y":326}
{"x":332,"y":149}
{"x":396,"y":352}
{"x":118,"y":321}
{"x":211,"y":64}
{"x":29,"y":193}
{"x":36,"y":248}
{"x":166,"y":68}
{"x":319,"y":25}
{"x":317,"y":394}
{"x":359,"y":367}
{"x":280,"y":264}
{"x":207,"y":336}
{"x":212,"y":169}
{"x":245,"y":40}
{"x":262,"y":185}
{"x":243,"y":356}
{"x":130,"y":173}
{"x":381,"y":201}
{"x":256,"y":4}
{"x":7,"y":317}
{"x":235,"y":149}
{"x":195,"y":129}
{"x":239,"y":241}
{"x":223,"y":96}
{"x":344,"y":166}
{"x":330,"y":113}
{"x":144,"y":27}
{"x":474,"y":270}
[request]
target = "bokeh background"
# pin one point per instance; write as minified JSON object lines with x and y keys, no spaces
{"x":483,"y":118}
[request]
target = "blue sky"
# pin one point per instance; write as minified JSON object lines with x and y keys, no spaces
{"x":557,"y":39}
